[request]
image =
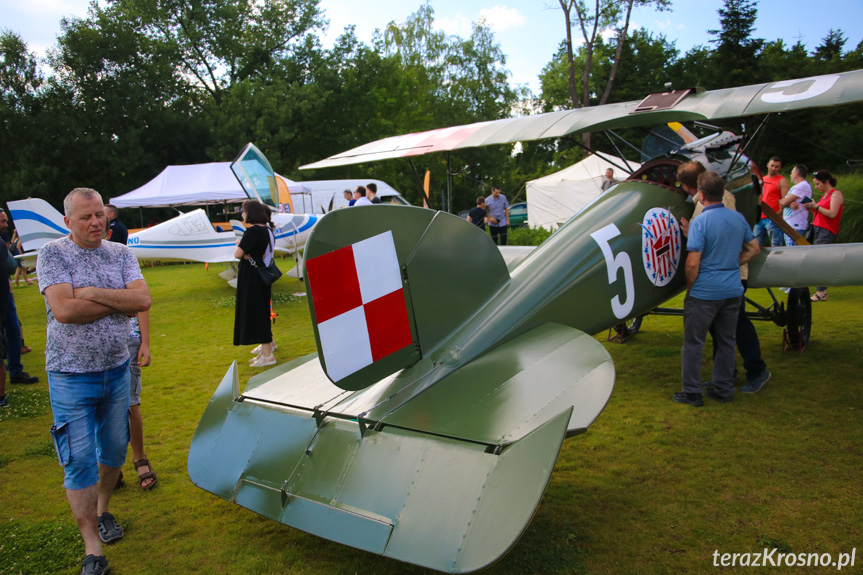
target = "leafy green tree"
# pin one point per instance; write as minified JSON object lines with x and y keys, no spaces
{"x":20,"y":84}
{"x":648,"y":61}
{"x":605,"y":16}
{"x":121,"y":109}
{"x":831,"y":46}
{"x":417,"y":78}
{"x":692,"y":69}
{"x":735,"y":60}
{"x":778,"y":63}
{"x":221,"y":42}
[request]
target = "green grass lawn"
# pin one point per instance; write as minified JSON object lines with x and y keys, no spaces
{"x":652,"y":487}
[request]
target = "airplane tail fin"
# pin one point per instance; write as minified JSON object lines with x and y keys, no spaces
{"x":388,"y":283}
{"x":37,"y":222}
{"x":238,"y":227}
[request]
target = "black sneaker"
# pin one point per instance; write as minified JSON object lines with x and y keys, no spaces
{"x":95,"y":565}
{"x":693,"y":399}
{"x":4,"y":401}
{"x":109,"y":529}
{"x":755,"y":384}
{"x":711,"y":393}
{"x":23,"y":377}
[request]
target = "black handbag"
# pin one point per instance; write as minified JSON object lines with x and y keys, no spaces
{"x":270,"y":273}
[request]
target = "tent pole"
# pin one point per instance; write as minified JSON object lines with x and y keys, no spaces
{"x":448,"y":183}
{"x":141,"y":210}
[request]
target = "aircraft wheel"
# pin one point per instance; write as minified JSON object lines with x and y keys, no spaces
{"x":799,"y":316}
{"x":627,"y":329}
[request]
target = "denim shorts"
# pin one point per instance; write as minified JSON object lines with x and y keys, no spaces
{"x":91,"y":422}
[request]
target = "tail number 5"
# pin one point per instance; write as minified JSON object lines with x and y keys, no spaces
{"x":613,"y":264}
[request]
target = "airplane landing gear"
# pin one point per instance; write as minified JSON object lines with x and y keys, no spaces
{"x":625,"y":330}
{"x":798,"y":323}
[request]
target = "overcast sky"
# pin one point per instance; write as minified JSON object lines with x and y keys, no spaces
{"x":529,"y":31}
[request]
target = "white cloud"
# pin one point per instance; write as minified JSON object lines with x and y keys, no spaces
{"x":458,"y":25}
{"x":500,"y":18}
{"x":663,"y":25}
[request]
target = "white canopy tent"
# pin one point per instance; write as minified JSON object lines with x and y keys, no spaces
{"x":317,"y":196}
{"x":192,"y":184}
{"x":554,"y":199}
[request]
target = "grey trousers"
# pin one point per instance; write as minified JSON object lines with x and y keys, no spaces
{"x":698,"y":316}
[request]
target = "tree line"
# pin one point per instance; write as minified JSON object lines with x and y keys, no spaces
{"x":140,"y":84}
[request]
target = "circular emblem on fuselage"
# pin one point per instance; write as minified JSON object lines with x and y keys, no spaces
{"x":660,"y":243}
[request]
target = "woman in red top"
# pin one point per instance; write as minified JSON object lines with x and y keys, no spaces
{"x":828,"y":214}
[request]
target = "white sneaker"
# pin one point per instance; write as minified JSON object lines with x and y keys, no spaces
{"x":263,"y":361}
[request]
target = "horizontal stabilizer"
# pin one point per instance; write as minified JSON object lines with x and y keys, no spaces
{"x":801,"y":266}
{"x":513,"y":255}
{"x":513,"y":388}
{"x":493,"y":399}
{"x":433,"y":501}
{"x":27,"y":260}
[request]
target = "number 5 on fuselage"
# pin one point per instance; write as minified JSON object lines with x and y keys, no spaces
{"x":614,"y":263}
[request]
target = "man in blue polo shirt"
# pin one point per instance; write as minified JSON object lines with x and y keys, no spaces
{"x":719,"y":242}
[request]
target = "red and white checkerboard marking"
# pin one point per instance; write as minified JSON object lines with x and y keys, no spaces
{"x":359,"y":304}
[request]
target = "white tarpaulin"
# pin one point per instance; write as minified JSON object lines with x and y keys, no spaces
{"x":320,"y":196}
{"x":189,"y":185}
{"x":554,"y":199}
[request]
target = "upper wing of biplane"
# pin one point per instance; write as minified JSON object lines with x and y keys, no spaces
{"x":676,"y":106}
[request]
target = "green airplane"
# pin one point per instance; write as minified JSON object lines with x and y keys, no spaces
{"x":427,"y":426}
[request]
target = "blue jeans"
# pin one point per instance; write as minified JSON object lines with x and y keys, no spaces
{"x":747,"y":342}
{"x":13,"y":339}
{"x":699,"y":316}
{"x":765,"y":229}
{"x":91,"y":422}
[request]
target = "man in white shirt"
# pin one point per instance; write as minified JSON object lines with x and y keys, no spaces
{"x":793,"y":212}
{"x":360,"y":195}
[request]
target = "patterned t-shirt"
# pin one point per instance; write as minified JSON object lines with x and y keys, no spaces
{"x":99,"y":345}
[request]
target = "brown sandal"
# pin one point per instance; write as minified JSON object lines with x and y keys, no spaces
{"x":142,"y":477}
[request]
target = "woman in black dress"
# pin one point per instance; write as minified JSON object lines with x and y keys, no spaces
{"x":252,"y":311}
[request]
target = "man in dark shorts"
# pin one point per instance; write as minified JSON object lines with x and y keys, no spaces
{"x":478,"y":216}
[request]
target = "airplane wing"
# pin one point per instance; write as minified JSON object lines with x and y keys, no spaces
{"x":786,"y":95}
{"x":188,"y":237}
{"x":801,"y":266}
{"x":390,"y":439}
